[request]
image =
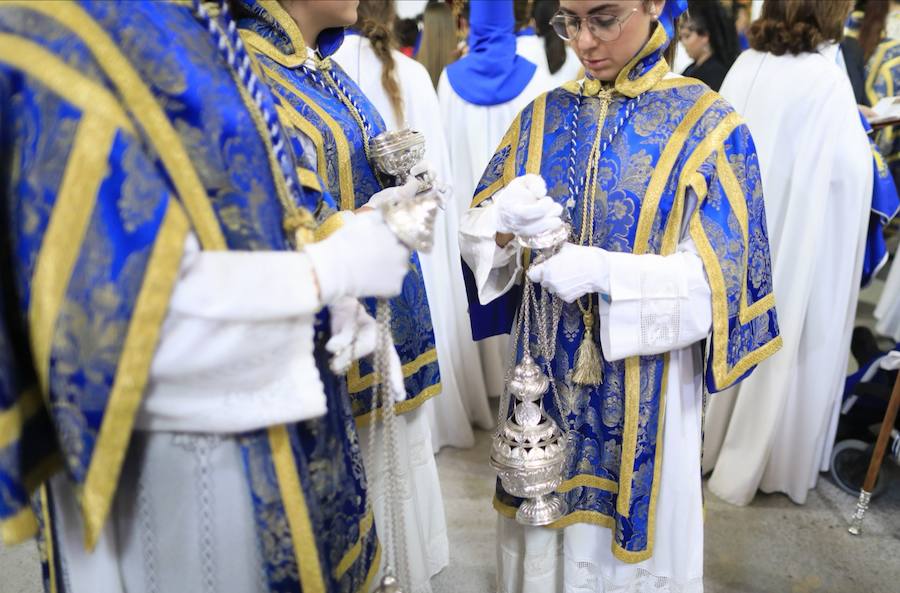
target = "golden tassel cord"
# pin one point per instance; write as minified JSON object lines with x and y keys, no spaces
{"x":588,"y":363}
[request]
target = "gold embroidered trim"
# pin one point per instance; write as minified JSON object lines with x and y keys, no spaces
{"x":345,"y":170}
{"x":629,"y":432}
{"x":509,"y":139}
{"x":14,"y":418}
{"x":132,"y":371}
{"x":20,"y":527}
{"x":589,"y":481}
{"x":353,"y":553}
{"x":355,"y":383}
{"x":263,"y":46}
{"x":48,"y":539}
{"x":329,"y":226}
{"x":145,"y":110}
{"x":309,"y":179}
{"x":648,"y":80}
{"x":403,"y":407}
{"x":290,"y":118}
{"x":288,"y":25}
{"x":536,"y":136}
{"x":663,"y":169}
{"x":373,"y":570}
{"x":69,"y":221}
{"x":62,"y":79}
{"x":304,"y":541}
{"x":874,"y":72}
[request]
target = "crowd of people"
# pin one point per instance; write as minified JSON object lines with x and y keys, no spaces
{"x":197,"y":253}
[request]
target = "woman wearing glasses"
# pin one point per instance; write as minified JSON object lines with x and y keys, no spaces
{"x":663,"y":288}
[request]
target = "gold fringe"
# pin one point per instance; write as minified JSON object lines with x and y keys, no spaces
{"x":588,"y":364}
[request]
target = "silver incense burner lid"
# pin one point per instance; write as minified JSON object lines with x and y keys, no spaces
{"x":395,"y":153}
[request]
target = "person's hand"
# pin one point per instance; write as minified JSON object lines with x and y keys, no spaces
{"x":400,"y":193}
{"x":868,"y":112}
{"x":353,"y":333}
{"x":439,"y":190}
{"x":363,"y":258}
{"x":524,"y":208}
{"x":573,"y":272}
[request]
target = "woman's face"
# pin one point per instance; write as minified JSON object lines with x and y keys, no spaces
{"x":695,"y":44}
{"x":604,"y":60}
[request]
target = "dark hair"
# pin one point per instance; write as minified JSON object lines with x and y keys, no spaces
{"x":554,"y":47}
{"x":522,"y":13}
{"x":710,"y":19}
{"x":406,"y":31}
{"x":798,"y":26}
{"x":374,"y":20}
{"x":871,"y":29}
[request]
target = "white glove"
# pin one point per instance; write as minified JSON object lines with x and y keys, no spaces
{"x":363,"y":258}
{"x":354,"y":335}
{"x":573,"y":272}
{"x":440,"y":190}
{"x":524,"y":208}
{"x":400,"y":193}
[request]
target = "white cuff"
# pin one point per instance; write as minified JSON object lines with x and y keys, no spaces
{"x":496,"y":269}
{"x":244,"y":285}
{"x":657,"y":304}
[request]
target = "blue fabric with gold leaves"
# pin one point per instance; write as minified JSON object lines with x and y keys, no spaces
{"x":885,"y":205}
{"x":323,"y":104}
{"x":680,"y":138}
{"x":122,"y":131}
{"x":882,"y":70}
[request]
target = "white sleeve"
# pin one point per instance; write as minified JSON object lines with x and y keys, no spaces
{"x":656,"y":303}
{"x":235,"y":352}
{"x":496,"y":269}
{"x":244,"y":285}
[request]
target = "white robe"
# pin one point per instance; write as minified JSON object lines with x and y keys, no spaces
{"x":531,"y":47}
{"x":229,"y":360}
{"x":579,"y":559}
{"x":441,"y":420}
{"x":457,"y":352}
{"x":887,"y":313}
{"x":774,"y":432}
{"x":473,"y":133}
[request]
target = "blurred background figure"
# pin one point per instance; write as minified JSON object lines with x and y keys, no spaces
{"x":537,"y":42}
{"x":401,"y":90}
{"x":709,"y":36}
{"x":775,"y":431}
{"x":406,"y":31}
{"x":439,"y":40}
{"x":480,"y":95}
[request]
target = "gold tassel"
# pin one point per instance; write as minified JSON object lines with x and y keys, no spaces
{"x":588,"y":363}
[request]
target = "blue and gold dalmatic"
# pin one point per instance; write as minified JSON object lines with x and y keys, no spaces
{"x":319,"y":101}
{"x":882,"y":70}
{"x":122,"y":131}
{"x":669,"y":136}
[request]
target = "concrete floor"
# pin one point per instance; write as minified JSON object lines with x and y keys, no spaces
{"x":771,"y":546}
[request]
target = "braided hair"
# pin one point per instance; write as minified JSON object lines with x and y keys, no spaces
{"x":374,"y":22}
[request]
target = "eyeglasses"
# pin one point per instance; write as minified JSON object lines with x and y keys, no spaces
{"x":604,"y":27}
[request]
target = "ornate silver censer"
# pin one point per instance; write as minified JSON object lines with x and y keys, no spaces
{"x":529,"y":450}
{"x":395,"y":153}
